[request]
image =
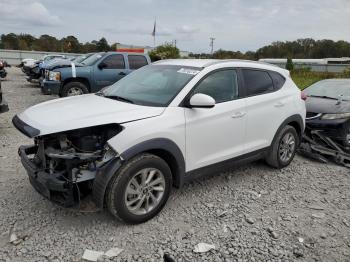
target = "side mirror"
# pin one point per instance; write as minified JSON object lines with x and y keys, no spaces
{"x":202,"y":101}
{"x":101,"y":65}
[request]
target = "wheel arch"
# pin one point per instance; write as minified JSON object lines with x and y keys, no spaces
{"x":295,"y":121}
{"x":83,"y":80}
{"x":161,"y":147}
{"x":165,"y":149}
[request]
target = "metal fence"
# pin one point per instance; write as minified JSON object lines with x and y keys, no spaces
{"x":318,"y":68}
{"x":14,"y":57}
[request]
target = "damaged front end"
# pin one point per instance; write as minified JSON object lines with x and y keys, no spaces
{"x":63,"y":166}
{"x":316,"y":144}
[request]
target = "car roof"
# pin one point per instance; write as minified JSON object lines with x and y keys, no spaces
{"x":202,"y":63}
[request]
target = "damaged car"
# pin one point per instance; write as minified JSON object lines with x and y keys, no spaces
{"x":3,"y":72}
{"x":161,"y":126}
{"x":328,"y":121}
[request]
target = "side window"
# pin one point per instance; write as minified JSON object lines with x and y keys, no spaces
{"x":257,"y":82}
{"x":278,"y":79}
{"x":137,"y":61}
{"x":220,"y":85}
{"x":114,"y":62}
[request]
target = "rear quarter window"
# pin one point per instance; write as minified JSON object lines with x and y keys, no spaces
{"x":278,"y":79}
{"x":257,"y":82}
{"x":137,"y":61}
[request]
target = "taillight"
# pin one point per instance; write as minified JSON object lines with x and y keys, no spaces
{"x":303,"y":96}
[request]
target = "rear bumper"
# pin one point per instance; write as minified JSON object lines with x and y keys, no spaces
{"x":337,"y":129}
{"x":50,"y":87}
{"x":53,"y":186}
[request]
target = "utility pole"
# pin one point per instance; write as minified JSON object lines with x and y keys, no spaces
{"x":175,"y":42}
{"x":212,"y":44}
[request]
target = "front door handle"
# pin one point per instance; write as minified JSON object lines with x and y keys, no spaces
{"x":238,"y":115}
{"x":122,"y":74}
{"x":279,"y":104}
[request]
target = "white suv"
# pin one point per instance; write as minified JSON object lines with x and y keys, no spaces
{"x":159,"y":127}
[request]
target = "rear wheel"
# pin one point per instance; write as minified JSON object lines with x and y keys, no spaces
{"x":283,"y":148}
{"x":74,"y":89}
{"x":140,"y":189}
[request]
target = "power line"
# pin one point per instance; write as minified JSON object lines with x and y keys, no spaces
{"x":212,"y":44}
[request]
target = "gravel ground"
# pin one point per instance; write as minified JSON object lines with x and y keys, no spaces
{"x":253,"y":213}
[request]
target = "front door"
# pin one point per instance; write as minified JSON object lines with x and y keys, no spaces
{"x":216,"y":134}
{"x":113,"y":69}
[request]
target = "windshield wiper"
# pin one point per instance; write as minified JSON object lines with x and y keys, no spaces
{"x":328,"y":97}
{"x":119,"y":98}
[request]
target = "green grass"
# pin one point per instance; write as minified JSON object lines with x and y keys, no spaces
{"x":304,"y":78}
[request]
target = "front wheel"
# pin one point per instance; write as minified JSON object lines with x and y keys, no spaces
{"x":74,"y":89}
{"x":140,"y":189}
{"x":283,"y":148}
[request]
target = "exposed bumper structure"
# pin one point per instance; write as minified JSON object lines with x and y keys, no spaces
{"x":317,"y":145}
{"x":53,"y":186}
{"x":337,"y":129}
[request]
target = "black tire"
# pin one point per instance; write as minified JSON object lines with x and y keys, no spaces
{"x":273,"y":157}
{"x":67,"y":88}
{"x":116,"y":191}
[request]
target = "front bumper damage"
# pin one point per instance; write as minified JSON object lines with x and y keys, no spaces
{"x":317,"y":145}
{"x":64,"y":190}
{"x":53,"y":186}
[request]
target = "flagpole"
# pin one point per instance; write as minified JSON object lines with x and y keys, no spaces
{"x":154,"y":32}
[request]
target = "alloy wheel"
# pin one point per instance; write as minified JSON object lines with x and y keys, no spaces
{"x":74,"y":91}
{"x":287,"y":147}
{"x":144,"y":191}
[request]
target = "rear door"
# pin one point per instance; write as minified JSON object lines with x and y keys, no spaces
{"x":136,"y":61}
{"x":216,"y":134}
{"x":265,"y":108}
{"x":114,"y":69}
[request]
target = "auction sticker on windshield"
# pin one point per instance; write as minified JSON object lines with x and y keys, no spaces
{"x":188,"y":71}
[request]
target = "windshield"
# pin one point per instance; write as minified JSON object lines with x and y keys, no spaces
{"x":81,"y":58}
{"x":92,"y":59}
{"x":153,"y":85}
{"x":334,"y":88}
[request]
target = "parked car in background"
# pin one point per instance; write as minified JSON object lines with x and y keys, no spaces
{"x":3,"y":72}
{"x":161,"y":126}
{"x":32,"y":68}
{"x":3,"y":105}
{"x":328,"y":109}
{"x":4,"y":62}
{"x":94,"y":73}
{"x":61,"y":63}
{"x":26,"y":62}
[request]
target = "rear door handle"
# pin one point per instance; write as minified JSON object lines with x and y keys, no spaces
{"x":279,"y":104}
{"x":122,"y":74}
{"x":238,"y":115}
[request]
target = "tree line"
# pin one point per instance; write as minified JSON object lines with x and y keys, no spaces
{"x":301,"y":48}
{"x":47,"y":43}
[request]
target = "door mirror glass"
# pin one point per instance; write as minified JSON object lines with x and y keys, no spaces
{"x":102,"y":65}
{"x":202,"y":101}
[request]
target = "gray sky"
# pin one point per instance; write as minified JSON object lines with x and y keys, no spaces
{"x":236,"y":24}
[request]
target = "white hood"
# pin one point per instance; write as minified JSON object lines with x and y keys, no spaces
{"x":83,"y":111}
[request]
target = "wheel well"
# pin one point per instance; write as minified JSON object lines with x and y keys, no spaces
{"x":78,"y":79}
{"x":171,"y":161}
{"x":297,"y":127}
